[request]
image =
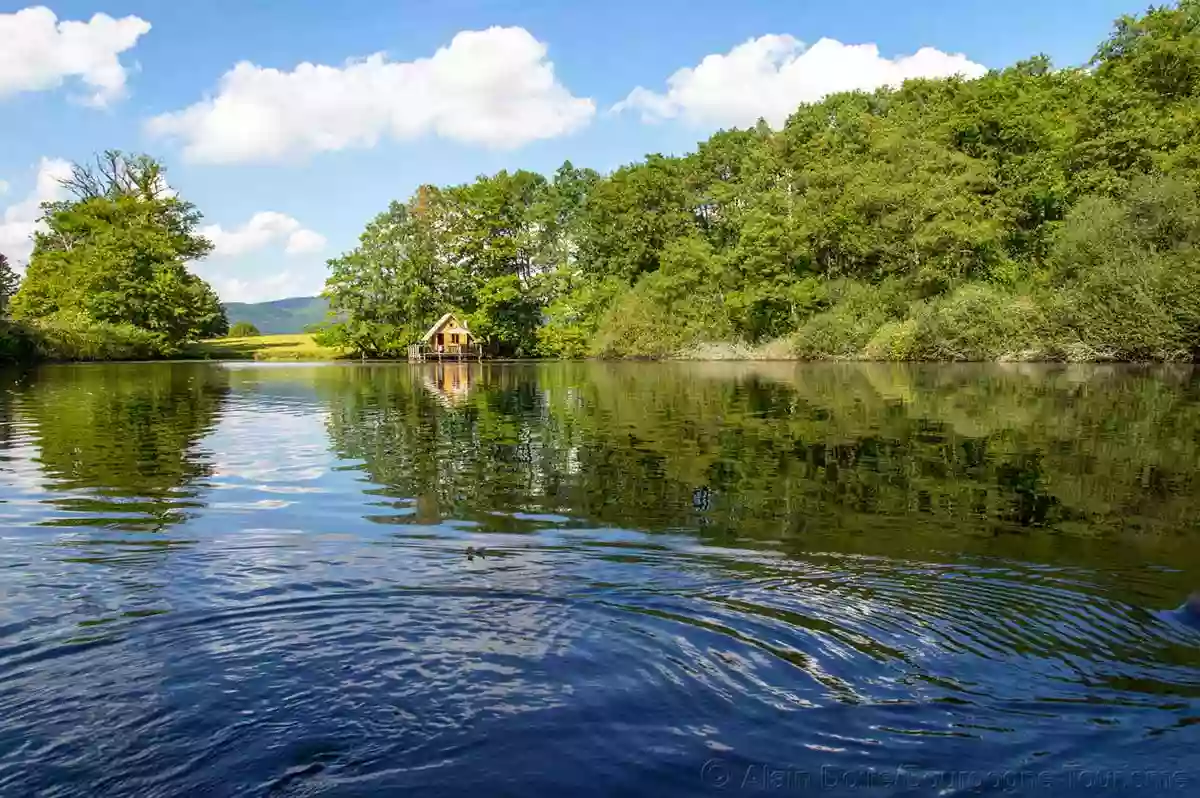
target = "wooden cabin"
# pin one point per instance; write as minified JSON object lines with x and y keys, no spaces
{"x":447,"y":339}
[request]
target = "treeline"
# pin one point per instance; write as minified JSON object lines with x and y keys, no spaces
{"x":108,"y":277}
{"x":1030,"y":214}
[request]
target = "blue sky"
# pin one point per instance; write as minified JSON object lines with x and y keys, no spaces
{"x":291,"y":164}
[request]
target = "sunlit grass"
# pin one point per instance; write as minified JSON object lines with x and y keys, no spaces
{"x":263,"y":347}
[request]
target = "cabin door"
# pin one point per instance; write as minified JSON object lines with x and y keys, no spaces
{"x":441,"y":341}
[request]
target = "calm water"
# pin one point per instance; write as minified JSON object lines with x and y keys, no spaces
{"x":266,"y":580}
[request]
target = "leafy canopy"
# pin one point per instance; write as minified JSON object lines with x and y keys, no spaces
{"x":116,"y":253}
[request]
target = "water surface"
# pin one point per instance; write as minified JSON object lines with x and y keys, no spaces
{"x":599,"y":579}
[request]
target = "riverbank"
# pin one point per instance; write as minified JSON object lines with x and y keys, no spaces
{"x":39,"y":342}
{"x":116,"y":343}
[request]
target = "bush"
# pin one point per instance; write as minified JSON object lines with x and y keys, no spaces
{"x":1128,"y":274}
{"x":63,"y":339}
{"x":17,"y":344}
{"x":859,"y":310}
{"x":571,"y":321}
{"x":976,"y":322}
{"x":243,"y":329}
{"x":678,"y":306}
{"x":894,"y":340}
{"x":1143,"y":309}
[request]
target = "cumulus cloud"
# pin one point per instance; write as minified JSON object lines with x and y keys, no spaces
{"x":493,"y":88}
{"x":264,"y":229}
{"x":20,"y":220}
{"x":303,"y":242}
{"x":770,"y":76}
{"x":37,"y":52}
{"x":306,"y":280}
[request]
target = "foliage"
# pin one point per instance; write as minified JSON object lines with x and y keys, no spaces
{"x":1129,"y":273}
{"x":17,"y":344}
{"x":856,"y":311}
{"x":1031,"y":213}
{"x":69,"y":338}
{"x":677,"y":306}
{"x":976,"y":322}
{"x":8,"y":284}
{"x":115,"y":254}
{"x":243,"y":329}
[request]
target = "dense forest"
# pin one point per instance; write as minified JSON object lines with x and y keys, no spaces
{"x":108,"y":278}
{"x":1032,"y":213}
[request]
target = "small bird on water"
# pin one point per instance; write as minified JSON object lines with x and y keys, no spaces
{"x":473,"y":552}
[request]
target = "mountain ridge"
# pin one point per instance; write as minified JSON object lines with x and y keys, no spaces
{"x":279,"y":316}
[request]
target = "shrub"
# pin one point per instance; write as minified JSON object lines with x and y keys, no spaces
{"x":976,"y":322}
{"x":64,"y":339}
{"x":1128,"y":274}
{"x":843,"y":331}
{"x":678,"y":306}
{"x":1143,"y":309}
{"x":17,"y":344}
{"x":243,"y":329}
{"x":894,"y":340}
{"x":571,"y":321}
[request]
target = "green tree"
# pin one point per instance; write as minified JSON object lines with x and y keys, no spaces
{"x":243,"y":329}
{"x":116,"y":253}
{"x":8,"y":284}
{"x":386,"y":292}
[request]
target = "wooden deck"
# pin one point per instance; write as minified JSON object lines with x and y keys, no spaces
{"x":420,"y":353}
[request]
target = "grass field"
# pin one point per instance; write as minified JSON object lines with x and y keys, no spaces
{"x":262,"y":347}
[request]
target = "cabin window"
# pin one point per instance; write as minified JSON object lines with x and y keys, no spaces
{"x":453,"y":338}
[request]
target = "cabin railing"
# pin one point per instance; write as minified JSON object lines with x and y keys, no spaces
{"x":422,"y":352}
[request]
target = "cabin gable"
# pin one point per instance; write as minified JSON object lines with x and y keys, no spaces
{"x":447,"y":339}
{"x":448,"y":331}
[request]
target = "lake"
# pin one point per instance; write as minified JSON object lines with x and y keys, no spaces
{"x":599,"y":579}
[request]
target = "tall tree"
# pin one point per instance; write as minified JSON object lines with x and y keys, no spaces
{"x":8,"y":284}
{"x":388,"y":289}
{"x":117,"y":251}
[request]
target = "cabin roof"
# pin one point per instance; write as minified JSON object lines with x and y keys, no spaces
{"x":440,"y":323}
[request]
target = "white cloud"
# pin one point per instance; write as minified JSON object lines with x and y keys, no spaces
{"x":770,"y":76}
{"x":37,"y":52}
{"x":20,"y":221}
{"x":303,"y":242}
{"x":301,"y":281}
{"x":267,"y":232}
{"x":263,"y":230}
{"x":492,"y":87}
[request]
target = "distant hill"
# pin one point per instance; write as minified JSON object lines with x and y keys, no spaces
{"x":280,"y":316}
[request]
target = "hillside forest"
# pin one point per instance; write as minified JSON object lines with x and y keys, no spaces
{"x":1033,"y":213}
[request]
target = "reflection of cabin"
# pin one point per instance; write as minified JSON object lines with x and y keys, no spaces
{"x":449,"y":382}
{"x":447,"y":339}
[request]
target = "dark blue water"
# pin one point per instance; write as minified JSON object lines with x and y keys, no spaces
{"x":598,"y":579}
